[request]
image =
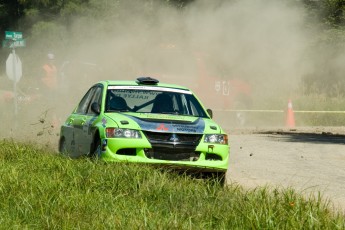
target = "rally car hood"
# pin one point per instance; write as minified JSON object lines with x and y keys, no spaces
{"x":164,"y":123}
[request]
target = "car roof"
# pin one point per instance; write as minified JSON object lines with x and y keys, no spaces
{"x":136,"y":83}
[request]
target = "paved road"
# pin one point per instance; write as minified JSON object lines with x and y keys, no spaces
{"x":308,"y":162}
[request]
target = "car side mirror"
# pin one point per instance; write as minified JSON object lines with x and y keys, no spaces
{"x":95,"y":108}
{"x":209,"y":111}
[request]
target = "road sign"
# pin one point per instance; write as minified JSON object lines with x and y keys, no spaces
{"x":14,"y":44}
{"x":12,"y":35}
{"x":13,"y":67}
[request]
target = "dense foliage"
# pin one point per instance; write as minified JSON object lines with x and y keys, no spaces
{"x":13,"y":11}
{"x":329,"y":12}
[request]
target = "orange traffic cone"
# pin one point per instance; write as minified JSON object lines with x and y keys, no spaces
{"x":290,"y":118}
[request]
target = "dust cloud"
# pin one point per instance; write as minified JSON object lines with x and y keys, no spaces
{"x":264,"y":43}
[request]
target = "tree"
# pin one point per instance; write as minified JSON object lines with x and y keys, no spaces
{"x":10,"y":11}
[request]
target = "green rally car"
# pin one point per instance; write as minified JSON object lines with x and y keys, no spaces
{"x":147,"y":122}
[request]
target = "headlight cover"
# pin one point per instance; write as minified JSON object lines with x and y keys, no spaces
{"x":122,"y":133}
{"x":216,"y":139}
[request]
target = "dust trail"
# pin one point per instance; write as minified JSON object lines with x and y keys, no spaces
{"x":263,"y":42}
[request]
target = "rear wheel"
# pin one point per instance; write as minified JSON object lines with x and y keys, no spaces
{"x":63,"y":147}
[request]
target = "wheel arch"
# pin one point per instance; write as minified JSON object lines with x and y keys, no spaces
{"x":96,"y":136}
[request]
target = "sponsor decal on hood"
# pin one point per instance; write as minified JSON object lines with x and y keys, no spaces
{"x":170,"y":126}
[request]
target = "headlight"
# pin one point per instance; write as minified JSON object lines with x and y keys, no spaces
{"x":122,"y":133}
{"x":216,"y":139}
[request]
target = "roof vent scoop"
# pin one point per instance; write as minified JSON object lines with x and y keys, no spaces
{"x":147,"y":81}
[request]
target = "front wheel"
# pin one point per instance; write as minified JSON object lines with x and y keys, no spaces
{"x":217,"y":177}
{"x":96,"y":149}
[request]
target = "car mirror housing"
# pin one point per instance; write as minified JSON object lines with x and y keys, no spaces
{"x":95,"y":108}
{"x":209,"y":111}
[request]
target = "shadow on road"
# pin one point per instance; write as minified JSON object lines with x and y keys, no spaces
{"x":317,"y":138}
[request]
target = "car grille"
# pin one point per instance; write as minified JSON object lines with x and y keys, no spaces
{"x":171,"y":146}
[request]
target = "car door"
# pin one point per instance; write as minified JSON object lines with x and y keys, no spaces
{"x":90,"y":119}
{"x":78,"y":121}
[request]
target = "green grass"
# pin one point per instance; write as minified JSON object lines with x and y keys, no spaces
{"x":40,"y":189}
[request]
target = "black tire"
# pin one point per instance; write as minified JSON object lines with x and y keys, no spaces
{"x":215,"y":178}
{"x":62,"y":147}
{"x":218,"y":178}
{"x":96,"y":148}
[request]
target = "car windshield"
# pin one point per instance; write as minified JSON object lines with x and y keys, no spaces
{"x":141,"y":99}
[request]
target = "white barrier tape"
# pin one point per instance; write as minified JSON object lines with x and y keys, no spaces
{"x":301,"y":111}
{"x":274,"y":111}
{"x":249,"y":110}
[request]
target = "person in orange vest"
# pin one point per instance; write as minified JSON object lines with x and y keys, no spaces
{"x":49,"y":79}
{"x":50,"y":82}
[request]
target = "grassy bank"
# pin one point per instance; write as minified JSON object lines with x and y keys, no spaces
{"x":42,"y":190}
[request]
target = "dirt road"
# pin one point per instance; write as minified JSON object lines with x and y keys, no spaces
{"x":309,"y":160}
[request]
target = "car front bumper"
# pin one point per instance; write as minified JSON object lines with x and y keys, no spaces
{"x":203,"y":157}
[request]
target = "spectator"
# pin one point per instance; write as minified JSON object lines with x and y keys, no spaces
{"x":49,"y":78}
{"x":50,"y":90}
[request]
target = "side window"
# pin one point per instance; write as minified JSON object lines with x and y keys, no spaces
{"x":84,"y":103}
{"x":97,"y":97}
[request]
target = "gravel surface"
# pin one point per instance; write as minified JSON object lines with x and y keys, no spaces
{"x":310,"y":160}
